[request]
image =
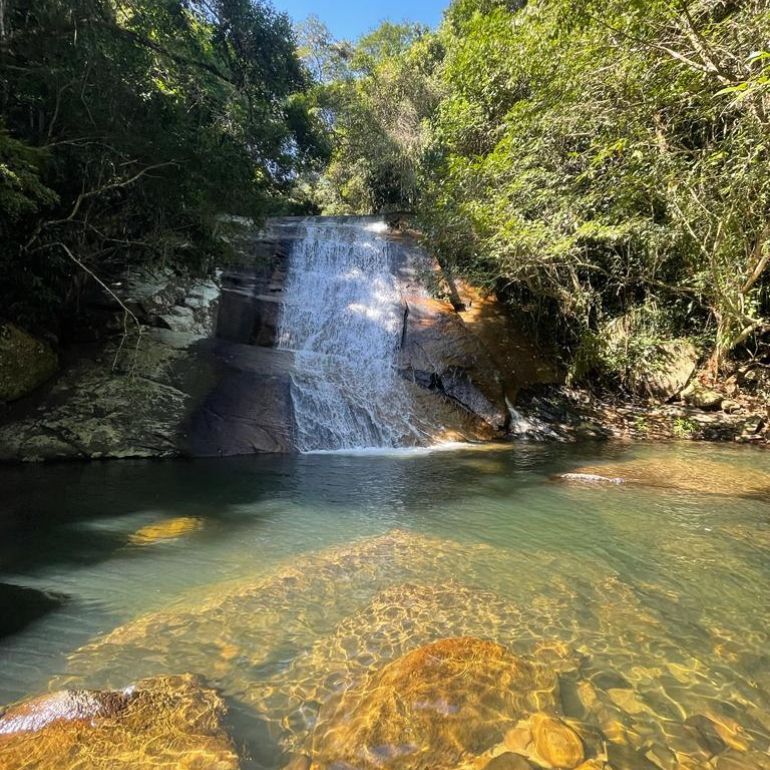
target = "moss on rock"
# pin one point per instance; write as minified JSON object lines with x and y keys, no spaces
{"x":25,"y":362}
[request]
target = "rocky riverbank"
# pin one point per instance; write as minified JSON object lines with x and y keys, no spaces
{"x":169,"y":365}
{"x":570,"y":414}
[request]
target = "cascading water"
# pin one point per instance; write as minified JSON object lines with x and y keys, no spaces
{"x":343,"y":320}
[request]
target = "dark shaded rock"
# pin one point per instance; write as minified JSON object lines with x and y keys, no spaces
{"x":249,"y":408}
{"x":158,"y":723}
{"x":25,"y":362}
{"x":20,"y":606}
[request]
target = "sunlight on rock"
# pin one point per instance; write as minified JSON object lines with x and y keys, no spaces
{"x":165,"y":530}
{"x":431,"y":707}
{"x":704,"y":476}
{"x":168,"y":722}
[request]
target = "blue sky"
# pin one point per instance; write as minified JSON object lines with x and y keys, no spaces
{"x":351,"y":18}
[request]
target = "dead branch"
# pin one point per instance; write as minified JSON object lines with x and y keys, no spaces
{"x":90,"y":194}
{"x":127,"y":312}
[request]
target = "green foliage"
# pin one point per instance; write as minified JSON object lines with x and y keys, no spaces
{"x":586,"y":159}
{"x":378,"y":111}
{"x":684,"y":428}
{"x":131,"y":127}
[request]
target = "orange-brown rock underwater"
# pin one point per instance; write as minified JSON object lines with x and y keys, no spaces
{"x":165,"y":530}
{"x":167,"y":723}
{"x":436,"y":706}
{"x":704,"y":476}
{"x":387,"y":653}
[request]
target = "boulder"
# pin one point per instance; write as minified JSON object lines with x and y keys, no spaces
{"x":557,"y":743}
{"x":666,"y":372}
{"x":434,"y":707}
{"x":166,"y":722}
{"x":25,"y":362}
{"x":701,"y":397}
{"x":440,"y":354}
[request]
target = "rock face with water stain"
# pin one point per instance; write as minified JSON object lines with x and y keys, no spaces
{"x":160,"y":724}
{"x":441,"y":355}
{"x":201,"y":374}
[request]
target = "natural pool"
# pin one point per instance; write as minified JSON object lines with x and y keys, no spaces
{"x":285,"y":581}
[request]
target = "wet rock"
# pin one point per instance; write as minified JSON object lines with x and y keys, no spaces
{"x":508,"y":761}
{"x":165,"y":530}
{"x":557,"y":743}
{"x":703,"y":476}
{"x":25,"y":362}
{"x":439,"y":350}
{"x":433,"y":707}
{"x":158,"y":723}
{"x":589,"y":478}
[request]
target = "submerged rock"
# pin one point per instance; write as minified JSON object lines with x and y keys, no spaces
{"x":704,"y":476}
{"x":165,"y":530}
{"x":433,"y":707}
{"x":508,"y":761}
{"x":557,"y":743}
{"x":167,"y":722}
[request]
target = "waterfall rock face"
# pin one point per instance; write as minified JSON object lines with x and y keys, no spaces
{"x":343,"y":318}
{"x":319,"y":335}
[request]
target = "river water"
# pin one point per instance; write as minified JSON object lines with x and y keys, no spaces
{"x":281,"y":580}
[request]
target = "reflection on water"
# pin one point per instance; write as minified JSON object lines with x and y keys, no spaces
{"x":630,"y":622}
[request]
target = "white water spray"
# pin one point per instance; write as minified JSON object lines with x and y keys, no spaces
{"x":344,"y":319}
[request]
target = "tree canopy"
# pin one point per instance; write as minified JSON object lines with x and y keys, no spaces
{"x":591,"y":161}
{"x":128,"y":127}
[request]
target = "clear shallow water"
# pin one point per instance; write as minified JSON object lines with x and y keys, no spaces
{"x":303,"y":572}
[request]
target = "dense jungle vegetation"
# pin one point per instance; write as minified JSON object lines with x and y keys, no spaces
{"x":602,"y":165}
{"x":127,"y":128}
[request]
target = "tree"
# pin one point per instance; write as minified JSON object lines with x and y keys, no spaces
{"x":136,"y":124}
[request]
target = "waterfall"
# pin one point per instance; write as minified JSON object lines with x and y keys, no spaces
{"x":343,"y":319}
